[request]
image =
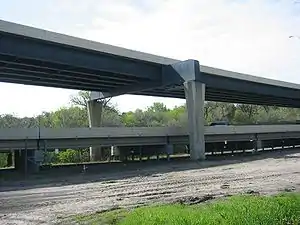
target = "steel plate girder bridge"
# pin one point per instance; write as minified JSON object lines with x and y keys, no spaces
{"x":38,"y":57}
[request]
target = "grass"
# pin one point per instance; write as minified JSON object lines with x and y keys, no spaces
{"x":107,"y":218}
{"x":283,"y":209}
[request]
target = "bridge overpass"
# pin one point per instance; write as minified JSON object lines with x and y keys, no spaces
{"x":38,"y":57}
{"x":51,"y":138}
{"x":29,"y":144}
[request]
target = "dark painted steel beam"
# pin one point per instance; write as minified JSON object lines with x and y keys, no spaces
{"x":229,"y":100}
{"x":28,"y":48}
{"x":54,"y":79}
{"x":57,"y":76}
{"x":234,"y":97}
{"x":64,"y":74}
{"x":247,"y":87}
{"x":36,"y":57}
{"x":76,"y":71}
{"x":51,"y":84}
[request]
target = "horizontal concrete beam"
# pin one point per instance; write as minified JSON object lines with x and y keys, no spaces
{"x":119,"y":132}
{"x":18,"y":133}
{"x":86,"y":137}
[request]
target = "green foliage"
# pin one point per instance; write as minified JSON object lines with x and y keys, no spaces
{"x":69,"y":117}
{"x":67,"y":156}
{"x":10,"y":121}
{"x":108,"y":218}
{"x":81,"y":99}
{"x":238,"y":210}
{"x":50,"y":158}
{"x":156,"y":115}
{"x":111,"y":118}
{"x":3,"y":160}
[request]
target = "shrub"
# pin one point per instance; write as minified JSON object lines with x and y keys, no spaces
{"x":3,"y":160}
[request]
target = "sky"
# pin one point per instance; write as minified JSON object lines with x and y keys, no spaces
{"x":248,"y":36}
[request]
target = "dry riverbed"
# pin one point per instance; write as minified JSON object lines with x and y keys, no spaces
{"x":34,"y":202}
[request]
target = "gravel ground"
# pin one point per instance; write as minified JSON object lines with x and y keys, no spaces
{"x":36,"y":203}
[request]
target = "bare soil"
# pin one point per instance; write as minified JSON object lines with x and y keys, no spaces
{"x":47,"y":201}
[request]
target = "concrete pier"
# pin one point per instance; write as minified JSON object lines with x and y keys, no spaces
{"x":95,"y":109}
{"x":195,"y":96}
{"x":27,"y":161}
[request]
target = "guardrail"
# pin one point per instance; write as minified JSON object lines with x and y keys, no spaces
{"x":45,"y":138}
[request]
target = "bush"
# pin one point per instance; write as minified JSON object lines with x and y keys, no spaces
{"x":69,"y":156}
{"x":85,"y":155}
{"x":3,"y":160}
{"x":50,"y":157}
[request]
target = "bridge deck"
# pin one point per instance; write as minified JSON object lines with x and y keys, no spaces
{"x":38,"y":57}
{"x":84,"y":137}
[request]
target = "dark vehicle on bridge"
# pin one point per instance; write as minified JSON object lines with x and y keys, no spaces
{"x":219,"y":123}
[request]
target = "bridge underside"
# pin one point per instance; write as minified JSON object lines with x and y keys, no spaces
{"x":37,"y":57}
{"x":19,"y":70}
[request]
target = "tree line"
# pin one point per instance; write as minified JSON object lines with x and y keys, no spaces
{"x":156,"y":115}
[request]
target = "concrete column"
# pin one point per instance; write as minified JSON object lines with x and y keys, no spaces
{"x":195,"y":96}
{"x":17,"y":160}
{"x":169,"y":150}
{"x":9,"y":159}
{"x":28,"y":161}
{"x":258,"y":145}
{"x":34,"y":158}
{"x":95,"y":115}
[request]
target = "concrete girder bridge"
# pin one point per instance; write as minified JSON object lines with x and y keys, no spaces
{"x":38,"y":57}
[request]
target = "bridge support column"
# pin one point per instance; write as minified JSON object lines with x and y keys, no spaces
{"x":169,"y":149}
{"x":258,"y":145}
{"x":188,"y":73}
{"x":9,"y":159}
{"x":95,"y":109}
{"x":27,"y":161}
{"x":195,"y":96}
{"x":18,"y":160}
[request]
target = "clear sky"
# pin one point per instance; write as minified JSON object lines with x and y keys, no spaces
{"x":250,"y":36}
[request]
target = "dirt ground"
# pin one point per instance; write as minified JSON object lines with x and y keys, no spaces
{"x":42,"y":201}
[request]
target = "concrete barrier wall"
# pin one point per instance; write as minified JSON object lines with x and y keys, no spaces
{"x":19,"y":133}
{"x":123,"y":136}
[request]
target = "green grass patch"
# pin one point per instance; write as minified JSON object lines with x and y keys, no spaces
{"x":107,"y":218}
{"x":282,"y":209}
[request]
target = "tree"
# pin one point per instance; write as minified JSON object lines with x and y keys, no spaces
{"x":83,"y":97}
{"x":69,"y":117}
{"x":214,"y":111}
{"x":9,"y":121}
{"x":246,"y":114}
{"x":3,"y":160}
{"x":155,"y":115}
{"x":109,"y":114}
{"x":158,"y":107}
